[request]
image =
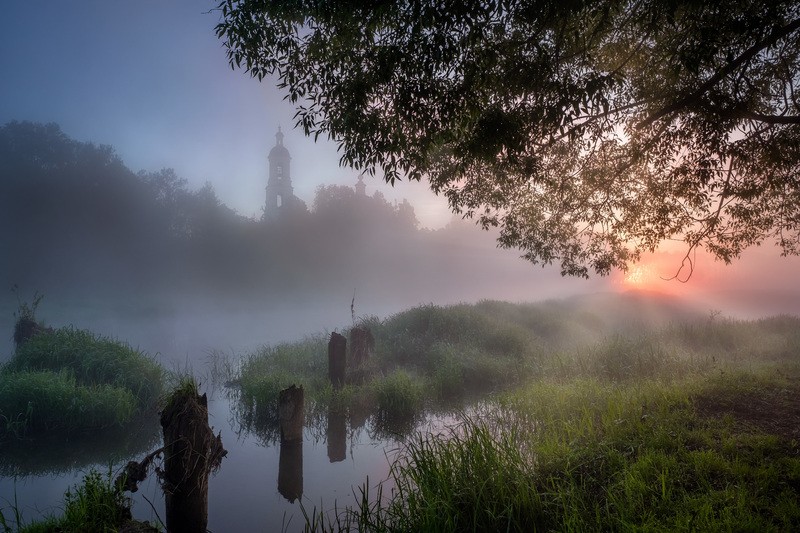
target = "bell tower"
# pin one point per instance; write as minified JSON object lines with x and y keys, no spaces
{"x":279,"y":186}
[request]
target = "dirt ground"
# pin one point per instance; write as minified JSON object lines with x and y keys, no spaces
{"x":775,"y":411}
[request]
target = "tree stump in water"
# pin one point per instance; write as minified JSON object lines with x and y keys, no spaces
{"x":291,"y":413}
{"x":191,"y":452}
{"x":362,"y":344}
{"x":337,"y":359}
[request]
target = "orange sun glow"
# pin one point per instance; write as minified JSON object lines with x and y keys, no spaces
{"x":639,"y":276}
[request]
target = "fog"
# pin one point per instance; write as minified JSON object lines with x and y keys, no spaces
{"x":144,"y":258}
{"x":149,"y":260}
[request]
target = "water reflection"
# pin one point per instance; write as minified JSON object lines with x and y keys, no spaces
{"x":337,"y":436}
{"x":51,"y":456}
{"x":290,"y":470}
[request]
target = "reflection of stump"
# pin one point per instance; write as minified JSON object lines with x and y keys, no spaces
{"x":290,"y":412}
{"x":360,"y":409}
{"x":191,"y":452}
{"x":290,"y":470}
{"x":362,"y":344}
{"x":337,"y":359}
{"x":337,"y":436}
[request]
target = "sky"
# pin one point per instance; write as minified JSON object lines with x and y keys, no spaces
{"x":151,"y":79}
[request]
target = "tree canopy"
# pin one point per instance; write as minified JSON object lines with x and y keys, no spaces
{"x":588,"y":131}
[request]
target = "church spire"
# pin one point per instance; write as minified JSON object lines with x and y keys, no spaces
{"x":361,"y":187}
{"x":279,"y":137}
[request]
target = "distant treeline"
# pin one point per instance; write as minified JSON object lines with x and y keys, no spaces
{"x":74,"y":218}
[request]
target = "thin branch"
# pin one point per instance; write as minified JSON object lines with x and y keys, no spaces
{"x":746,"y":56}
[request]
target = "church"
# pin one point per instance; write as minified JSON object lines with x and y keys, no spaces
{"x":280,"y":193}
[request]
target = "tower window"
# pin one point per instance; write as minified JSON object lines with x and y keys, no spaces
{"x":279,"y":170}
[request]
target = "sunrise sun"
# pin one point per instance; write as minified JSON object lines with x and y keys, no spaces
{"x":638,"y":276}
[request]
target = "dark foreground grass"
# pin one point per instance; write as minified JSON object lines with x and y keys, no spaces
{"x":587,"y":455}
{"x":95,"y":505}
{"x":71,"y":380}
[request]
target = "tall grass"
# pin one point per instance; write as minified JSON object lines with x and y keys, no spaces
{"x":94,"y":505}
{"x":70,"y":380}
{"x":589,"y":455}
{"x":461,"y":352}
{"x":92,"y":359}
{"x":41,"y":402}
{"x":607,"y":430}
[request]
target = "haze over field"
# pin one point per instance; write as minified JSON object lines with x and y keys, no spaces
{"x":152,"y":81}
{"x":169,"y":234}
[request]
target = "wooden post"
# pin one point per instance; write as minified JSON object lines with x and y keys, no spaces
{"x":291,"y":414}
{"x":336,"y":436}
{"x":337,"y":359}
{"x":362,"y":344}
{"x":290,"y":470}
{"x":191,"y":452}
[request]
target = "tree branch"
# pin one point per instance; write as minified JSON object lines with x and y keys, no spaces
{"x":746,"y":56}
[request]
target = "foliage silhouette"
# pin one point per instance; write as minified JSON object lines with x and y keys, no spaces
{"x":589,"y":132}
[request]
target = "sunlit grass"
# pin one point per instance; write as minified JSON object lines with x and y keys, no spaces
{"x":462,"y":352}
{"x":620,"y":430}
{"x":588,"y":455}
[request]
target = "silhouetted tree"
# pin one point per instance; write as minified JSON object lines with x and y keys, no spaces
{"x":588,"y":131}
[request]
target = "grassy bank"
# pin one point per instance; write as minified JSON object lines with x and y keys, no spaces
{"x":590,"y":455}
{"x":431,"y":357}
{"x":70,"y":380}
{"x":691,"y":423}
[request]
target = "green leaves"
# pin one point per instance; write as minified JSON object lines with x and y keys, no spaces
{"x":590,"y":131}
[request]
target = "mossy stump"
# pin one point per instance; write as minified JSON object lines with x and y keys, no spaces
{"x":191,"y":453}
{"x":27,"y":327}
{"x":337,"y":359}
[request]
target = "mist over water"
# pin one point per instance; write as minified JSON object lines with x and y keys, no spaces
{"x":144,"y":259}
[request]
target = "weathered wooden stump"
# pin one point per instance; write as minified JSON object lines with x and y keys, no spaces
{"x":191,"y":452}
{"x":291,"y":414}
{"x":337,"y":436}
{"x":337,"y":359}
{"x":290,"y":470}
{"x":362,"y":344}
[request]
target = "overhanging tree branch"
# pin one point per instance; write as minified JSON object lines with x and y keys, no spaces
{"x":731,"y":67}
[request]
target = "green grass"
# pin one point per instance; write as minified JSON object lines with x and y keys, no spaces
{"x":451,"y":354}
{"x":94,"y":505}
{"x":70,"y":380}
{"x":681,"y":426}
{"x":424,"y":356}
{"x":589,"y":455}
{"x":41,"y":402}
{"x":92,"y":359}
